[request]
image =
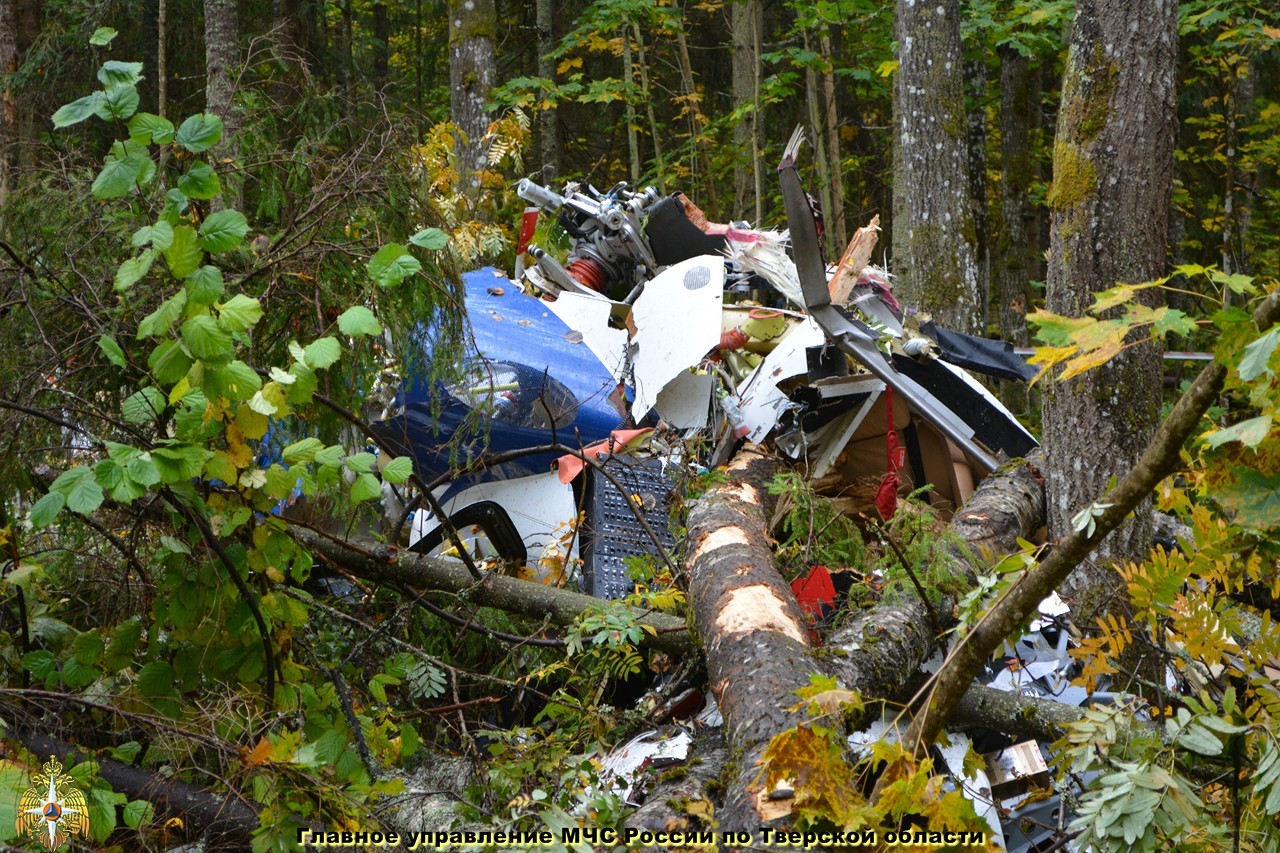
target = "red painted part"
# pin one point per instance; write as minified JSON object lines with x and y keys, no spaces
{"x":589,"y":272}
{"x":527,"y":223}
{"x":732,"y":339}
{"x":815,"y":592}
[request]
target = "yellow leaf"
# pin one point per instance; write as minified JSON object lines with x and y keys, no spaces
{"x":179,"y":391}
{"x":1090,"y":360}
{"x":575,"y":62}
{"x":1271,"y":32}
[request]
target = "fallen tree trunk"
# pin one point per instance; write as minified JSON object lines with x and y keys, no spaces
{"x":375,"y":562}
{"x":886,"y":643}
{"x":221,"y":818}
{"x":752,"y":631}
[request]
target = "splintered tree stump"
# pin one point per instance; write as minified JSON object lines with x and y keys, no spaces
{"x":752,"y":630}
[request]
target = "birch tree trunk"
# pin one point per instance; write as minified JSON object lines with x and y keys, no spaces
{"x":473,"y":26}
{"x":933,"y":221}
{"x":1112,"y":177}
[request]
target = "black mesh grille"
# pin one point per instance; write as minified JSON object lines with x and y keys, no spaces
{"x":612,"y":533}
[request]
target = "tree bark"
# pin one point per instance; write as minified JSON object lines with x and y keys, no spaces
{"x":473,"y":26}
{"x":221,"y":817}
{"x":373,"y":561}
{"x":8,"y":101}
{"x":744,"y":18}
{"x":381,"y":45}
{"x":975,"y":81}
{"x":1017,"y":239}
{"x":222,"y":59}
{"x":831,"y":116}
{"x":548,"y":120}
{"x":751,"y":629}
{"x":1112,"y":176}
{"x":754,"y":637}
{"x":933,"y":220}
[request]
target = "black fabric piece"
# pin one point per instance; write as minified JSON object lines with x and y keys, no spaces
{"x":674,"y":238}
{"x":914,"y":457}
{"x":994,"y":358}
{"x":990,"y":425}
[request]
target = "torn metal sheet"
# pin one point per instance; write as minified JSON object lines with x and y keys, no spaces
{"x":760,"y":400}
{"x":677,"y":321}
{"x":686,"y":401}
{"x":622,"y":767}
{"x":588,"y":316}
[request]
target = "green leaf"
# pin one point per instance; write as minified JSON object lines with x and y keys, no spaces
{"x":205,"y":285}
{"x":78,"y":110}
{"x":223,"y":230}
{"x":149,"y":128}
{"x":1197,"y":738}
{"x":143,"y":406}
{"x":322,"y":352}
{"x":236,"y":381}
{"x":179,"y":461}
{"x":365,"y":487}
{"x":41,"y":664}
{"x":432,"y":239}
{"x":200,"y":132}
{"x":183,"y":255}
{"x":113,"y":72}
{"x":142,"y":470}
{"x":200,"y":181}
{"x":1172,"y":320}
{"x":112,"y":350}
{"x":205,"y":338}
{"x":1257,"y":356}
{"x":1250,"y":433}
{"x":305,"y":384}
{"x":87,"y":648}
{"x":155,"y":680}
{"x":398,"y":470}
{"x":108,"y":473}
{"x":116,"y":178}
{"x":79,"y":487}
{"x":169,"y":363}
{"x":361,"y":462}
{"x":239,"y":313}
{"x":392,"y":264}
{"x":1254,"y":497}
{"x":102,"y":36}
{"x":330,"y":456}
{"x":132,"y":270}
{"x":125,"y":639}
{"x":120,"y":101}
{"x":158,"y":236}
{"x":138,"y":813}
{"x":358,"y":320}
{"x":159,"y":321}
{"x":302,"y":451}
{"x":45,"y":510}
{"x":175,"y":203}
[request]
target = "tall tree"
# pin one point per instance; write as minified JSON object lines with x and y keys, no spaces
{"x":1112,"y":178}
{"x":221,"y":61}
{"x":933,"y":220}
{"x":8,"y":102}
{"x":1018,"y":240}
{"x":548,"y":121}
{"x":745,"y":27}
{"x":473,"y":25}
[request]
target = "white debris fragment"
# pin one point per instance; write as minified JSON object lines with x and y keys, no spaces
{"x":759,"y":398}
{"x":686,"y":401}
{"x":677,"y":321}
{"x":621,"y":767}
